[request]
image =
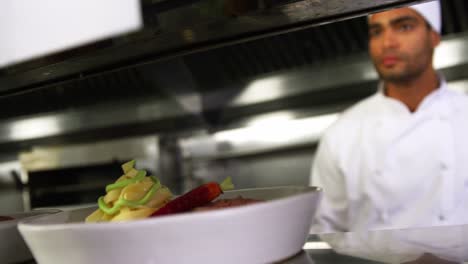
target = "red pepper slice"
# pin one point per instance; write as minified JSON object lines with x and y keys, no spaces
{"x":197,"y":197}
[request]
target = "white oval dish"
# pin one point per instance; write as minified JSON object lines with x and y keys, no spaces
{"x":259,"y":233}
{"x":12,"y":248}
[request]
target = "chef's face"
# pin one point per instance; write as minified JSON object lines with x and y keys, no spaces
{"x":401,"y":44}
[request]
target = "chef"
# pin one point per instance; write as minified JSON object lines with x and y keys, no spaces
{"x":400,"y":157}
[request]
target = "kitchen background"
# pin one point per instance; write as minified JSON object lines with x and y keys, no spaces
{"x":252,"y":109}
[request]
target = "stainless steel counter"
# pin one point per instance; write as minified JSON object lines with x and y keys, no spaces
{"x":442,"y":244}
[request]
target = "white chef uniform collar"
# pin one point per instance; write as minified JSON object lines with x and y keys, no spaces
{"x":440,"y":91}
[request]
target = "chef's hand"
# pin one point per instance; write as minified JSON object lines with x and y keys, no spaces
{"x":430,"y":259}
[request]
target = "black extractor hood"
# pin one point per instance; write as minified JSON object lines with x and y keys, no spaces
{"x":177,"y":27}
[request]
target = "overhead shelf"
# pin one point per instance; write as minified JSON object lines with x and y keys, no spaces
{"x":175,"y":27}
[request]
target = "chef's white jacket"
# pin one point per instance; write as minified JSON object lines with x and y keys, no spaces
{"x":381,"y":166}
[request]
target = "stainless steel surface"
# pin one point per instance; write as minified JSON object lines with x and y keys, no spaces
{"x":269,"y":132}
{"x":10,"y":196}
{"x":436,"y":244}
{"x":227,"y":69}
{"x":259,"y":138}
{"x":294,"y":71}
{"x":74,"y":174}
{"x":275,"y":168}
{"x":300,"y":258}
{"x":459,"y":86}
{"x":169,"y":165}
{"x":183,"y":101}
{"x":339,"y":74}
{"x":99,"y":122}
{"x":145,"y":150}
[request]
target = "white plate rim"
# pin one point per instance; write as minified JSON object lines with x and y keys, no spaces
{"x":35,"y":225}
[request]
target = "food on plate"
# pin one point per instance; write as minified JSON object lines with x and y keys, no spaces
{"x":6,"y":218}
{"x":197,"y":197}
{"x":135,"y":196}
{"x":132,"y":196}
{"x":226,"y":203}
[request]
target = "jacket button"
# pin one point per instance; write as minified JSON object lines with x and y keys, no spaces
{"x":383,"y":216}
{"x":441,"y":218}
{"x":443,"y":166}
